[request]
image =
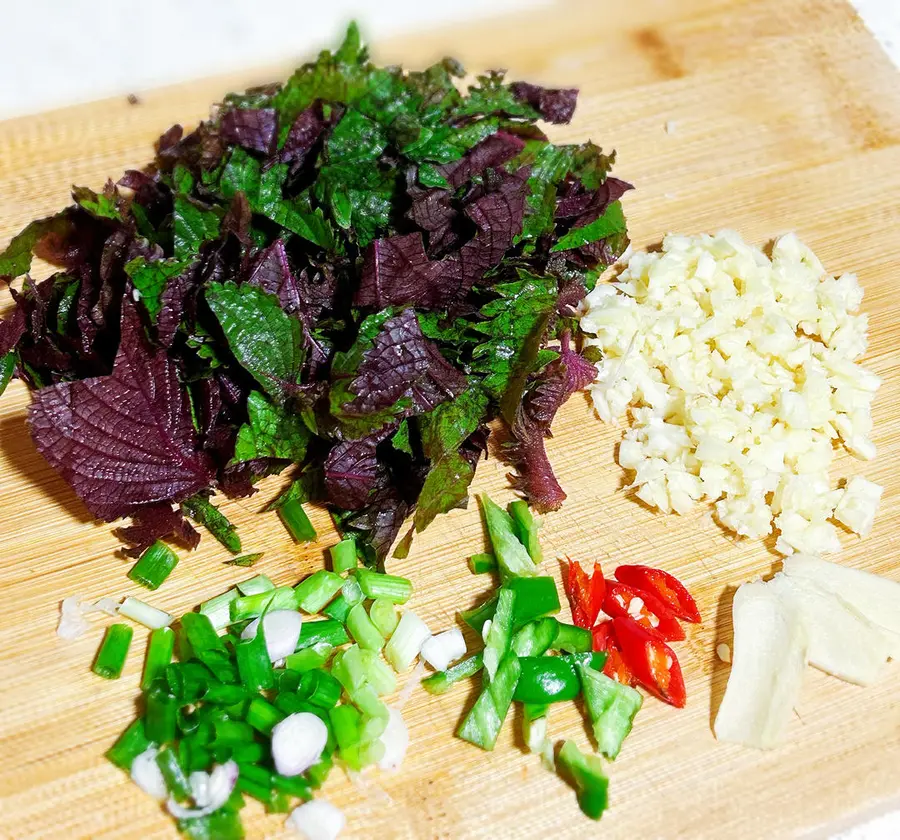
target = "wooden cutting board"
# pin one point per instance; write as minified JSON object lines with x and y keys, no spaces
{"x":782,"y":115}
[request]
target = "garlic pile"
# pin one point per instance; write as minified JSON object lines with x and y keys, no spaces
{"x":740,"y":373}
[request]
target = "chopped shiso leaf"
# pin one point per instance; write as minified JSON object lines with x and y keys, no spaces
{"x":244,"y":560}
{"x":205,"y":513}
{"x":354,"y":271}
{"x":113,"y":651}
{"x":154,"y":565}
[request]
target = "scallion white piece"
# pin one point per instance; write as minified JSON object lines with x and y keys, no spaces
{"x":209,"y":793}
{"x":407,"y":641}
{"x":145,"y":614}
{"x":298,"y":742}
{"x":282,"y":629}
{"x":396,"y":741}
{"x":440,"y":650}
{"x":317,"y":820}
{"x":145,"y":773}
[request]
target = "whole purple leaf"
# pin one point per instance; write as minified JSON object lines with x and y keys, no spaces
{"x":492,"y":152}
{"x":555,"y":106}
{"x":157,"y":522}
{"x":569,"y":373}
{"x":403,"y":363}
{"x":123,"y":440}
{"x":252,"y":128}
{"x":351,"y":471}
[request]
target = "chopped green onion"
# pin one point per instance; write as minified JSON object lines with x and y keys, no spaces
{"x":585,"y":774}
{"x":344,"y":556}
{"x":113,"y":651}
{"x":297,"y":522}
{"x":384,"y":616}
{"x":479,"y":564}
{"x":162,"y":710}
{"x":253,"y":606}
{"x":445,"y":680}
{"x":349,"y":668}
{"x":392,"y":587}
{"x":159,"y":654}
{"x":249,"y":752}
{"x":512,"y":557}
{"x":254,"y":665}
{"x":224,"y":695}
{"x":129,"y":745}
{"x":345,"y":723}
{"x":500,"y":635}
{"x":366,"y":700}
{"x":257,"y":774}
{"x":205,"y":513}
{"x":407,"y":641}
{"x":317,"y":590}
{"x":292,"y":785}
{"x":377,"y":673}
{"x":232,"y":731}
{"x":309,"y":658}
{"x":527,"y":526}
{"x":352,"y":591}
{"x":338,"y":609}
{"x":218,"y":609}
{"x":318,"y":773}
{"x":363,"y":630}
{"x":481,"y":726}
{"x":255,"y":585}
{"x":188,"y":681}
{"x":251,"y":788}
{"x":200,"y":634}
{"x":572,"y":639}
{"x":145,"y":614}
{"x":534,"y":726}
{"x":536,"y":637}
{"x":262,"y":715}
{"x":327,"y":630}
{"x":320,"y":688}
{"x":173,"y":773}
{"x":611,"y":707}
{"x":154,"y":565}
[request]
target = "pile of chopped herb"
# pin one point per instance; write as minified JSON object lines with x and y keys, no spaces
{"x":347,"y":276}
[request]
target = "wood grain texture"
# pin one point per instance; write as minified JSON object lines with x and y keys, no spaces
{"x":785,"y":116}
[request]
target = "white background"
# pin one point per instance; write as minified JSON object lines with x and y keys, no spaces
{"x":61,"y":52}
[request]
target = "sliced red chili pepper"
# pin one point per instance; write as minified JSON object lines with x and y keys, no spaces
{"x":652,"y":661}
{"x":605,"y":640}
{"x":585,"y":594}
{"x":647,"y":610}
{"x":671,"y":591}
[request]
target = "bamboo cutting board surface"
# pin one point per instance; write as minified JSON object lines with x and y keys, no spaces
{"x":783,"y":115}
